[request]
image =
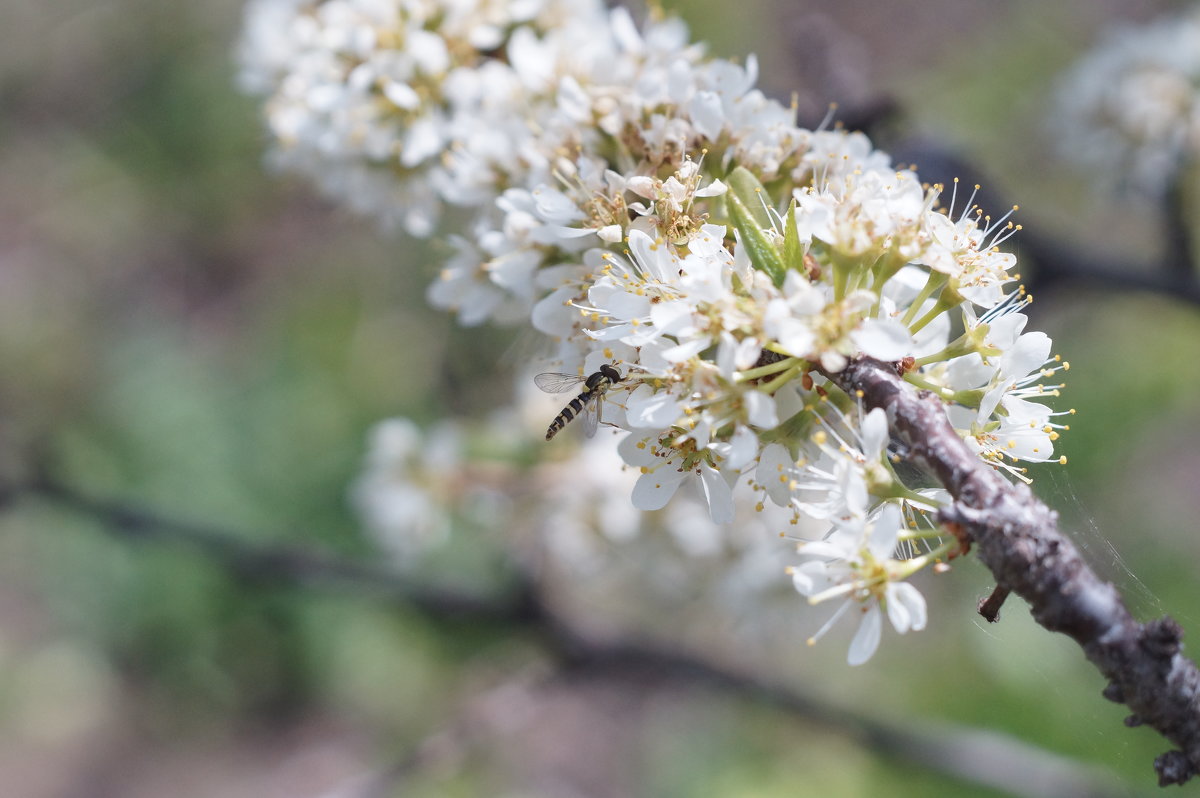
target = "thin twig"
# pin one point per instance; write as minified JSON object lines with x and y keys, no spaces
{"x":1017,"y":538}
{"x":989,"y":608}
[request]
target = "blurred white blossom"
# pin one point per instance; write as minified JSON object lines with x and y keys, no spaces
{"x":403,"y":495}
{"x":1129,"y":110}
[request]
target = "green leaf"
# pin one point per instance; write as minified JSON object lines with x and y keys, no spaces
{"x":743,"y":199}
{"x":747,"y":188}
{"x":758,"y":244}
{"x":793,"y":253}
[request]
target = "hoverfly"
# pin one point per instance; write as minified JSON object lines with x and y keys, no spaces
{"x":588,"y":401}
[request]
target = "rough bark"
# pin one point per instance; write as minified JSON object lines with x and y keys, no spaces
{"x":1017,"y":538}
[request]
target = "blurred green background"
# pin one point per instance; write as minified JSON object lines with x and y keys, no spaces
{"x":183,"y":330}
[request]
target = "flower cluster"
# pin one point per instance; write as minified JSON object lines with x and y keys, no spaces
{"x":648,"y":209}
{"x":419,"y":488}
{"x":1130,"y":110}
{"x":391,"y":105}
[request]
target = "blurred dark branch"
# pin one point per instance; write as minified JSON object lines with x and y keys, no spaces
{"x":977,"y":757}
{"x":1056,"y":262}
{"x":1016,"y":536}
{"x":1048,"y":261}
{"x":1177,"y":240}
{"x":867,"y":116}
{"x":304,"y":567}
{"x":981,"y":758}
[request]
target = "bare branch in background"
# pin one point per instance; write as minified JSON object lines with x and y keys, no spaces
{"x":974,"y":756}
{"x":1178,"y":256}
{"x":1017,"y":538}
{"x":304,"y":567}
{"x":1052,"y":260}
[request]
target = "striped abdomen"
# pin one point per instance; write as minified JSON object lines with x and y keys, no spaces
{"x":573,"y":408}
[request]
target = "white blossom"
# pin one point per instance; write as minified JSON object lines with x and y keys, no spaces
{"x":647,"y":209}
{"x":1129,"y":110}
{"x":856,"y":563}
{"x":402,"y":490}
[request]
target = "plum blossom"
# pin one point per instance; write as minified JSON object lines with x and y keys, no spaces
{"x":856,"y":563}
{"x":646,"y":209}
{"x":1129,"y":110}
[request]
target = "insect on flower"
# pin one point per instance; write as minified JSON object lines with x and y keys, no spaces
{"x":587,"y":403}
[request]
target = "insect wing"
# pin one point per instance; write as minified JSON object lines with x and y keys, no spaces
{"x":591,"y":415}
{"x":556,"y":382}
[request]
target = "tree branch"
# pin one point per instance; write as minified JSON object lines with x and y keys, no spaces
{"x":1178,"y":259}
{"x":305,"y":567}
{"x":981,"y":758}
{"x":977,"y":757}
{"x":1017,"y":538}
{"x":1053,"y":260}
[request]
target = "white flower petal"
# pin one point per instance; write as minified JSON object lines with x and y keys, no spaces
{"x":875,"y":433}
{"x":686,"y":350}
{"x":610,"y":234}
{"x":743,"y":447}
{"x":653,"y":411}
{"x":866,"y":639}
{"x":654,"y":489}
{"x":906,"y":604}
{"x":773,"y":473}
{"x":811,"y":578}
{"x":1027,"y":355}
{"x":833,"y":549}
{"x":707,"y":114}
{"x":883,"y":339}
{"x":624,"y":306}
{"x":635,"y":450}
{"x":760,"y":410}
{"x":718,"y":493}
{"x":885,"y":532}
{"x":714,"y":189}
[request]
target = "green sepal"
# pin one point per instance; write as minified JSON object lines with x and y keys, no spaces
{"x":795,"y":428}
{"x":746,"y":187}
{"x":793,"y":253}
{"x":752,"y":221}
